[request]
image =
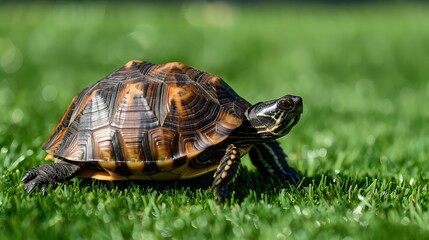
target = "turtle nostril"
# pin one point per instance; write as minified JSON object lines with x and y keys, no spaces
{"x":298,"y":104}
{"x":297,"y":99}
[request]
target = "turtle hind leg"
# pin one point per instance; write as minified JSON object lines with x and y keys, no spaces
{"x":226,"y":173}
{"x":54,"y":173}
{"x":270,"y":160}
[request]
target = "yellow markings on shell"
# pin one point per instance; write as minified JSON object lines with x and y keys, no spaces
{"x":58,"y":139}
{"x":102,"y":175}
{"x":135,"y":167}
{"x":111,"y":176}
{"x":227,"y":167}
{"x":163,"y":152}
{"x":166,"y":165}
{"x":109,"y":166}
{"x":179,"y":95}
{"x":129,"y":64}
{"x":215,"y":80}
{"x":167,"y":171}
{"x":230,"y":120}
{"x":106,"y":154}
{"x":132,"y":90}
{"x":50,"y":157}
{"x":134,"y":154}
{"x":189,"y":146}
{"x":215,"y":138}
{"x":160,"y":145}
{"x":224,"y":174}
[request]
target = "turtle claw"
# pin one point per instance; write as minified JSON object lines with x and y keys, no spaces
{"x":29,"y":181}
{"x":32,"y":181}
{"x":27,"y":177}
{"x":292,"y":176}
{"x":222,"y":193}
{"x":30,"y":186}
{"x":43,"y":175}
{"x":43,"y":189}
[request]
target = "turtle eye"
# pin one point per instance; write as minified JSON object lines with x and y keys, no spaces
{"x":285,"y":104}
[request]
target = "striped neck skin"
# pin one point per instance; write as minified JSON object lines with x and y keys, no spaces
{"x":248,"y":134}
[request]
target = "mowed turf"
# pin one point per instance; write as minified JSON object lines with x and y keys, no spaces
{"x":362,"y":145}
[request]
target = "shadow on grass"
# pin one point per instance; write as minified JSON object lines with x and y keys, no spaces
{"x":248,"y":182}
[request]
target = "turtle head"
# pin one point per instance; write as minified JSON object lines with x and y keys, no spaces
{"x":275,"y":118}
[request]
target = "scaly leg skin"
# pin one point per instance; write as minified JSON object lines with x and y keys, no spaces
{"x":226,"y":173}
{"x":270,"y":160}
{"x":54,"y":173}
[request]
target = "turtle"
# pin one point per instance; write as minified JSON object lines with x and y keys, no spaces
{"x":168,"y":121}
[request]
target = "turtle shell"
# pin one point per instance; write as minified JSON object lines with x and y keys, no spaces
{"x":146,"y":121}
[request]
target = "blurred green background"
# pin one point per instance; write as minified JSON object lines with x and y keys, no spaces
{"x":362,"y":71}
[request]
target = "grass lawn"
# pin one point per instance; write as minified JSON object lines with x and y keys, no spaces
{"x":362,"y":144}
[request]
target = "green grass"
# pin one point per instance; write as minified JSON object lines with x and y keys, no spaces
{"x":362,"y":144}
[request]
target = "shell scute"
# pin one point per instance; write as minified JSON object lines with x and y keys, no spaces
{"x":146,"y":117}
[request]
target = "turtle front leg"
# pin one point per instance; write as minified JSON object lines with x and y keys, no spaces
{"x":54,"y":173}
{"x":226,"y":173}
{"x":270,"y":160}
